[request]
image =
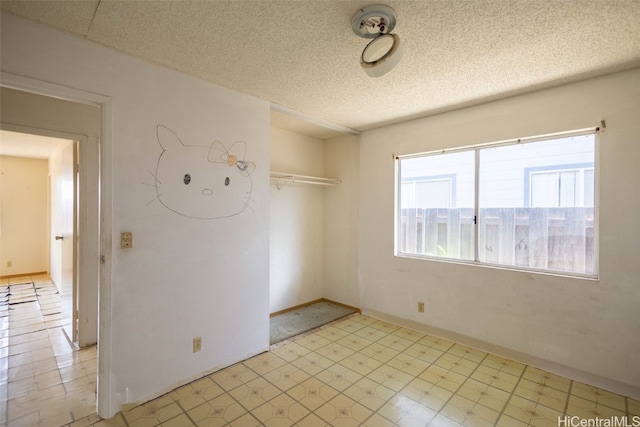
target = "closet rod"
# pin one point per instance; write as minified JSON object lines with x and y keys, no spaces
{"x":304,"y":179}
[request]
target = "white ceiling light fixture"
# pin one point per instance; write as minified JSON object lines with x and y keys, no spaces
{"x":385,"y":50}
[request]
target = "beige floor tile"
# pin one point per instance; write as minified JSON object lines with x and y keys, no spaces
{"x":443,"y":421}
{"x":312,"y":420}
{"x":369,"y":393}
{"x":217,"y":412}
{"x":380,"y":352}
{"x":427,"y":394}
{"x":602,"y":397}
{"x":469,"y":413}
{"x":115,"y":421}
{"x":313,"y":342}
{"x":335,"y":351}
{"x":504,"y":365}
{"x":265,"y":362}
{"x":385,"y":326}
{"x":589,"y":409}
{"x":547,"y":396}
{"x":495,"y":378}
{"x":507,"y":421}
{"x":408,"y":334}
{"x":443,"y":378}
{"x":280,"y":411}
{"x":332,"y":333}
{"x":403,"y":411}
{"x":391,"y":377}
{"x":457,"y":364}
{"x":312,"y":393}
{"x":343,"y":411}
{"x":435,"y":342}
{"x":287,"y":376}
{"x":181,"y":420}
{"x":233,"y":376}
{"x":313,"y":363}
{"x":246,"y":420}
{"x":350,"y":325}
{"x":360,"y":363}
{"x":467,"y":353}
{"x":395,"y":342}
{"x":339,"y":377}
{"x":485,"y":395}
{"x":633,"y":406}
{"x":196,"y":393}
{"x":531,"y":413}
{"x":152,"y":413}
{"x":408,"y":364}
{"x":86,"y":421}
{"x":547,"y":379}
{"x":255,"y":393}
{"x":423,"y":352}
{"x":354,"y":342}
{"x":290,"y":352}
{"x":370,"y":333}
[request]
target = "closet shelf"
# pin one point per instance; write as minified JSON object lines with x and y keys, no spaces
{"x":290,"y":178}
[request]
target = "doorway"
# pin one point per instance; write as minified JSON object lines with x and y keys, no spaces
{"x":25,"y":111}
{"x":39,"y":211}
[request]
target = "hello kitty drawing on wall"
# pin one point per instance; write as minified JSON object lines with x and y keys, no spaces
{"x":202,"y":182}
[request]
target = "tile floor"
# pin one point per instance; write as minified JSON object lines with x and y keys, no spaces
{"x":43,"y":381}
{"x":363,"y":372}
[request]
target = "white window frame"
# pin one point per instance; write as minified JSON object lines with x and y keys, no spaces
{"x":477,"y":148}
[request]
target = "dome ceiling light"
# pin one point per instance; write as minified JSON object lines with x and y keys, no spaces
{"x":385,"y":50}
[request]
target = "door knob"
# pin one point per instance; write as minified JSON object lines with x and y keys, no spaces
{"x":59,"y":237}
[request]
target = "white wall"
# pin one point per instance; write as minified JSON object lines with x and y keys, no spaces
{"x":296,"y":222}
{"x":184,"y":277}
{"x":23,"y":216}
{"x":588,"y":329}
{"x":341,"y":160}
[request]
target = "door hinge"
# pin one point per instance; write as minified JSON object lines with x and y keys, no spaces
{"x":103,"y":259}
{"x":475,"y":219}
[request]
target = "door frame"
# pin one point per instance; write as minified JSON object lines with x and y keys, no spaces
{"x":102,"y":155}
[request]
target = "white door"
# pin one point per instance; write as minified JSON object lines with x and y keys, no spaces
{"x":67,"y":235}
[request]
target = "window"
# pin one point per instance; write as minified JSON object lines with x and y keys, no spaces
{"x":524,"y":205}
{"x":559,"y":186}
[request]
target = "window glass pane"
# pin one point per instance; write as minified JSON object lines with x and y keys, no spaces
{"x":544,"y":190}
{"x":569,"y":196}
{"x":437,"y":218}
{"x":589,"y":184}
{"x":434,"y":194}
{"x":536,"y":205}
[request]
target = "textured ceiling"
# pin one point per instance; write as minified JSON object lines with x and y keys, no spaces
{"x":303,"y":55}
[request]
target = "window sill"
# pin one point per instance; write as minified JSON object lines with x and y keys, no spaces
{"x":554,"y":273}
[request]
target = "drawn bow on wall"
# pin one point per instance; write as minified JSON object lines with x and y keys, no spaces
{"x":234,"y":156}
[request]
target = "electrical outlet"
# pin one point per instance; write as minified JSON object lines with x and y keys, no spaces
{"x":126,"y":240}
{"x":197,"y":344}
{"x":420,"y":307}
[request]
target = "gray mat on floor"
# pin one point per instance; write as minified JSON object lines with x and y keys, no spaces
{"x":295,"y":322}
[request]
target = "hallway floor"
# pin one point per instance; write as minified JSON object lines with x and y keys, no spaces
{"x":357,"y":371}
{"x":43,"y":381}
